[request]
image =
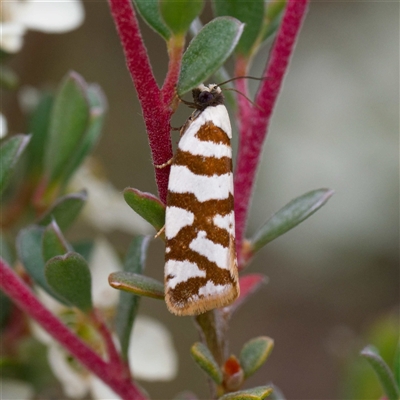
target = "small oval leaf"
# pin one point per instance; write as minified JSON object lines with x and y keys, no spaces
{"x":150,"y":12}
{"x":254,"y":354}
{"x":273,"y":15}
{"x":10,"y":151}
{"x":179,"y":14}
{"x":68,"y":123}
{"x":69,"y":276}
{"x":251,"y":13}
{"x":137,"y":284}
{"x":382,"y":371}
{"x":290,"y":216}
{"x":84,"y":248}
{"x":39,"y":126}
{"x":257,"y":393}
{"x":206,"y":362}
{"x":98,"y":108}
{"x":64,"y":210}
{"x":29,"y":249}
{"x":53,"y":243}
{"x":208,"y":51}
{"x":147,"y":206}
{"x":129,"y":304}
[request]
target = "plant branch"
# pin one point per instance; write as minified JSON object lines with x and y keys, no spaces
{"x":23,"y":297}
{"x":156,"y":113}
{"x":175,"y":51}
{"x":253,"y":129}
{"x":115,"y":361}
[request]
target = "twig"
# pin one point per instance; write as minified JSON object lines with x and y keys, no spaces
{"x":23,"y":297}
{"x":156,"y":113}
{"x":255,"y":120}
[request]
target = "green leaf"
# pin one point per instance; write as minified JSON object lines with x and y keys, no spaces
{"x":53,"y":242}
{"x":147,"y":206}
{"x":69,"y":276}
{"x":383,"y":372}
{"x":289,"y":216}
{"x":208,"y":51}
{"x":358,"y":378}
{"x":98,"y":108}
{"x":179,"y":14}
{"x":65,"y":210}
{"x":273,"y":16}
{"x":150,"y":12}
{"x":251,"y":13}
{"x":39,"y":127}
{"x":254,"y":354}
{"x":257,"y":393}
{"x":29,"y":249}
{"x":10,"y":151}
{"x":221,"y":75}
{"x":84,"y":248}
{"x":129,"y":304}
{"x":206,"y":362}
{"x":137,"y":284}
{"x":68,"y":123}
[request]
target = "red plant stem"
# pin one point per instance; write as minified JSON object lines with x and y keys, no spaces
{"x":253,"y":129}
{"x":23,"y":297}
{"x":115,"y":361}
{"x":175,"y":51}
{"x":156,"y":113}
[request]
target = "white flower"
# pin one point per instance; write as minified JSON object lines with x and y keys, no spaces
{"x":151,"y":354}
{"x":54,"y":16}
{"x":100,"y":391}
{"x":3,"y":126}
{"x":152,"y":357}
{"x":106,"y":208}
{"x":73,"y":381}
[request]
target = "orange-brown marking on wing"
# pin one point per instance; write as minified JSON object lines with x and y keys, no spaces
{"x":201,"y":165}
{"x":212,"y":133}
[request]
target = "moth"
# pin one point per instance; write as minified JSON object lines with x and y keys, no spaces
{"x":200,"y":256}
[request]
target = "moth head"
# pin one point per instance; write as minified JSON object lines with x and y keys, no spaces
{"x":206,"y":96}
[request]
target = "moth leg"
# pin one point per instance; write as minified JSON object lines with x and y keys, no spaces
{"x":159,"y":232}
{"x":169,"y":162}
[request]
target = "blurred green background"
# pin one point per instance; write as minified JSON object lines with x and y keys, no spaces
{"x":336,"y":125}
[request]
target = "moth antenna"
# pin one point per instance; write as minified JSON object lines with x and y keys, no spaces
{"x":247,"y":98}
{"x":243,"y":77}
